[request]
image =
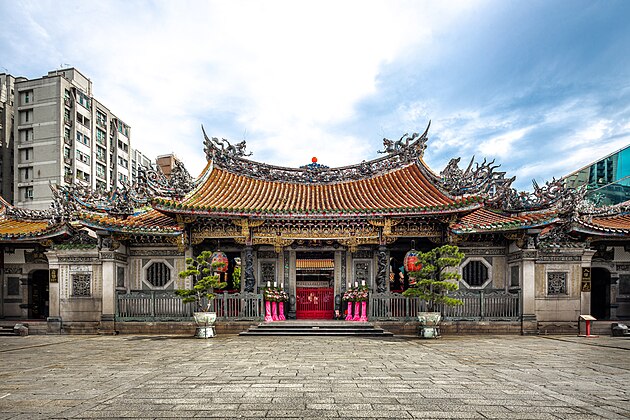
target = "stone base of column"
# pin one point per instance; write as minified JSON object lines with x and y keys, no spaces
{"x":53,"y":325}
{"x":529,"y":325}
{"x":108,"y":326}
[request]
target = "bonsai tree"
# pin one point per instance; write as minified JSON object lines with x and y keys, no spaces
{"x":433,"y":280}
{"x":204,"y":281}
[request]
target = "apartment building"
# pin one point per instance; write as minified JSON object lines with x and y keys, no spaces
{"x":139,"y":160}
{"x":63,"y":135}
{"x":7,"y":97}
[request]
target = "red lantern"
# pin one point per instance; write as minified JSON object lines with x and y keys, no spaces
{"x":219,"y":262}
{"x":412,"y":262}
{"x":314,"y":160}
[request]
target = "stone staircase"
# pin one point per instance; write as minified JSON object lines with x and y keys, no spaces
{"x":319,"y":327}
{"x":7,"y":331}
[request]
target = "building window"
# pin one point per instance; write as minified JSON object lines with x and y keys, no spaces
{"x":27,"y":97}
{"x":158,"y":274}
{"x":101,"y":119}
{"x":624,"y":284}
{"x":100,"y":154}
{"x":81,"y":285}
{"x":26,"y":173}
{"x":515,"y":276}
{"x":120,"y":276}
{"x":26,"y":116}
{"x":556,"y":283}
{"x":100,"y":137}
{"x":26,"y":135}
{"x":28,"y":193}
{"x":100,"y":170}
{"x":475,"y":273}
{"x":28,"y":153}
{"x":83,"y":99}
{"x":83,"y":176}
{"x":13,"y":286}
{"x":82,"y":157}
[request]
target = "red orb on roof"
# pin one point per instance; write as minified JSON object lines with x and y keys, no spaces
{"x":314,"y":160}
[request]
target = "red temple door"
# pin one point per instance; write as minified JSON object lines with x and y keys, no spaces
{"x":314,"y":303}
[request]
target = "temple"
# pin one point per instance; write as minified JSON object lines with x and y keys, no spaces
{"x":102,"y":262}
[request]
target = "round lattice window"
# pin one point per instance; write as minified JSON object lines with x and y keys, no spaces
{"x":158,"y":274}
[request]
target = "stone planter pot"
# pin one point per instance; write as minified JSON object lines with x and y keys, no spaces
{"x":429,"y":324}
{"x":205,"y":324}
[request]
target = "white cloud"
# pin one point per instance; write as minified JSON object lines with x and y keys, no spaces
{"x":285,"y":72}
{"x":502,"y":145}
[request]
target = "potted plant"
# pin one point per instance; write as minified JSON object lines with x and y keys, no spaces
{"x":204,"y":281}
{"x":433,"y":281}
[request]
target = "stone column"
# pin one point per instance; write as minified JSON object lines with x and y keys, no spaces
{"x":250,"y":278}
{"x":109,"y":293}
{"x":54,"y":324}
{"x":529,"y":324}
{"x":382,"y":259}
{"x":614,"y":287}
{"x":585,"y":295}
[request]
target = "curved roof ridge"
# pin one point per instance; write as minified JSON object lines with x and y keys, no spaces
{"x":232,"y":158}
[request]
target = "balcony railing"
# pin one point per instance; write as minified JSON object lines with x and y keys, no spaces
{"x":166,"y":306}
{"x":68,"y":122}
{"x":68,"y":141}
{"x":67,"y":102}
{"x":494,"y":305}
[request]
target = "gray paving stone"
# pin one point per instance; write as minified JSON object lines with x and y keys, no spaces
{"x":313,"y":377}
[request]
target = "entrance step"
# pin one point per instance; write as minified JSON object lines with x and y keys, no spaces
{"x":311,"y":328}
{"x":6,"y":330}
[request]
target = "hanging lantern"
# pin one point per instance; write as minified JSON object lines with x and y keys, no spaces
{"x":219,"y":257}
{"x":412,"y":260}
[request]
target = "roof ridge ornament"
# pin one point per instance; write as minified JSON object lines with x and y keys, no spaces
{"x":416,"y":141}
{"x":214,"y":146}
{"x":231,"y":158}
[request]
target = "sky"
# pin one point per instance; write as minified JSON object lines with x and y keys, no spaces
{"x":541,"y":87}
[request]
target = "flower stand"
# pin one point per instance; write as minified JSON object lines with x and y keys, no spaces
{"x":274,"y":311}
{"x":268,"y":317}
{"x":349,"y":315}
{"x":363,"y":312}
{"x":281,"y":311}
{"x":357,"y":311}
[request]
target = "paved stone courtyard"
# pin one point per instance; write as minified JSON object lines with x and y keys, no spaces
{"x":508,"y":377}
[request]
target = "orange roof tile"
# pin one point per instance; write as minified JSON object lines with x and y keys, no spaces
{"x":618,"y":224}
{"x":484,"y":220}
{"x":148,"y":221}
{"x":403,"y":190}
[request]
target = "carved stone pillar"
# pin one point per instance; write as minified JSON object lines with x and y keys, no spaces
{"x":614,"y":287}
{"x":381,"y":271}
{"x":250,"y":278}
{"x":529,"y":324}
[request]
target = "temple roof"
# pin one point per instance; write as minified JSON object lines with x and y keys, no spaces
{"x":488,"y":220}
{"x":399,"y":191}
{"x":616,"y":225}
{"x":21,"y":229}
{"x":147,"y":221}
